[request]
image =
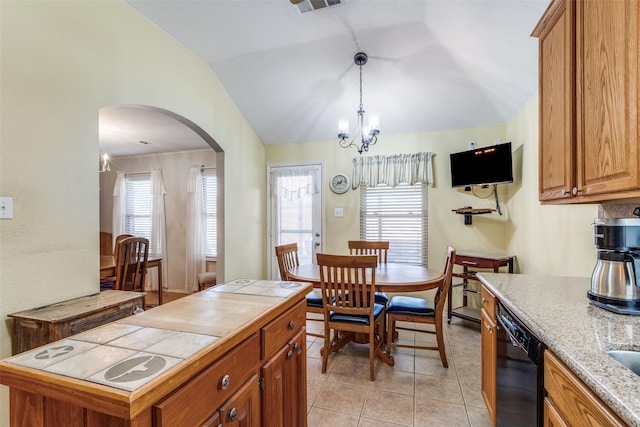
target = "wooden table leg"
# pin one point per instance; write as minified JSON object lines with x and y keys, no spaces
{"x":160,"y":283}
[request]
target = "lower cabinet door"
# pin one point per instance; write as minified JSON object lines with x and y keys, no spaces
{"x":488,"y":343}
{"x":551,"y":416}
{"x":284,"y":394}
{"x":243,"y":408}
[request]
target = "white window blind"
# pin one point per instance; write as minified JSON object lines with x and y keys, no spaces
{"x":397,"y":214}
{"x":209,"y":211}
{"x":138,"y":205}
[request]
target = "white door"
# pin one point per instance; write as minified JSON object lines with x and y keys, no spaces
{"x":295,"y":210}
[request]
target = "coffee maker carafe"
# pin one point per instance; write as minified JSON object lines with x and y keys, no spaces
{"x":615,"y":282}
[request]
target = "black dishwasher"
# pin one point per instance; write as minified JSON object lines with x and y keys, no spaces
{"x":519,"y":373}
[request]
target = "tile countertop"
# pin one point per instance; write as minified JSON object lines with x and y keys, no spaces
{"x":132,"y":352}
{"x":557,"y":310}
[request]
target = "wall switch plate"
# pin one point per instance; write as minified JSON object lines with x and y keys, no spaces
{"x":338,"y":212}
{"x":6,"y":207}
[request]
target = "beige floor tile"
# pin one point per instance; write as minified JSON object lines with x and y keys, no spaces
{"x":391,"y":407}
{"x":390,"y":379}
{"x":351,"y":373}
{"x":314,"y":369}
{"x":404,"y":362}
{"x":436,"y":413}
{"x":341,"y":397}
{"x":319,"y":417}
{"x":472,"y":393}
{"x":479,"y":417}
{"x":368,"y":422}
{"x":438,"y":388}
{"x":314,"y":386}
{"x":433,"y":366}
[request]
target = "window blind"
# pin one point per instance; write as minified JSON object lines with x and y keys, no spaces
{"x":138,"y":205}
{"x":397,"y":214}
{"x":209,"y":211}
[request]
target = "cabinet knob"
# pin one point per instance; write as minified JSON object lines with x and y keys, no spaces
{"x":564,"y":192}
{"x":224,"y":382}
{"x":289,"y":354}
{"x":233,"y":414}
{"x":296,"y":347}
{"x":488,"y":327}
{"x":291,"y":325}
{"x":484,"y":301}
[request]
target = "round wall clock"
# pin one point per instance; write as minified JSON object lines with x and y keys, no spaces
{"x":339,"y":183}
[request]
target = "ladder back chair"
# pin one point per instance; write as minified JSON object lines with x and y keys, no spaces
{"x":287,"y":256}
{"x":348,"y":286}
{"x":419,"y":310}
{"x":131,"y":264}
{"x":379,"y":248}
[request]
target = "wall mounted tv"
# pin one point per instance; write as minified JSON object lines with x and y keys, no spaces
{"x":482,"y":166}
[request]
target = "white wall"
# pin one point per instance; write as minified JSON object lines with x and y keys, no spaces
{"x":60,"y":62}
{"x":175,"y":171}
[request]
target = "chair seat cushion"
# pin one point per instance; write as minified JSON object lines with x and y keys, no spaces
{"x":410,"y":306}
{"x":360,"y":320}
{"x":314,"y":298}
{"x":382,"y":298}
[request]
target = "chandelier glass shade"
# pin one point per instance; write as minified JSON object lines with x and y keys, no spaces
{"x":368,"y":133}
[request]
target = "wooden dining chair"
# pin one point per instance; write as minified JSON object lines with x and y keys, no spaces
{"x":131,"y":264}
{"x":348,"y":287}
{"x":419,"y":310}
{"x":379,"y":248}
{"x":108,"y":282}
{"x":287,"y":257}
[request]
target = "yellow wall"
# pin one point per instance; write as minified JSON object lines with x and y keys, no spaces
{"x":61,"y":62}
{"x":549,"y":239}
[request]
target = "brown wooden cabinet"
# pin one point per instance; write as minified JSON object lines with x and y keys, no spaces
{"x":588,"y":129}
{"x":284,"y":389}
{"x":569,"y":402}
{"x":489,"y":342}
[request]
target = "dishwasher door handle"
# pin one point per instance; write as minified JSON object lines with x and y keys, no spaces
{"x":512,"y":339}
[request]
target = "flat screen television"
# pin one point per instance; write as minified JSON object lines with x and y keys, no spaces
{"x":482,"y":166}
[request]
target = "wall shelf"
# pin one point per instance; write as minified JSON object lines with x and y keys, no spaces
{"x":468,"y":211}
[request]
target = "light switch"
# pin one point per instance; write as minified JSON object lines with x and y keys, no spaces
{"x":6,"y":207}
{"x":338,"y":212}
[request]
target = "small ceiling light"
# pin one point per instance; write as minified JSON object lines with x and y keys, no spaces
{"x":369,"y":133}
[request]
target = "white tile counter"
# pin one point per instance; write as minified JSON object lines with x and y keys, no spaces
{"x":557,"y":310}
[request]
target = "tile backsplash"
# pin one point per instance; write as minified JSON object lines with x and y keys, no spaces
{"x":617,"y":210}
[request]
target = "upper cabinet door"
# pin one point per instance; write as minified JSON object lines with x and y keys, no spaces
{"x":607,"y":97}
{"x":556,"y":32}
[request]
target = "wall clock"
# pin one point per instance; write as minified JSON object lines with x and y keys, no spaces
{"x":339,"y":183}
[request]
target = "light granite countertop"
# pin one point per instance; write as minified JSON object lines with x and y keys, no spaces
{"x":557,"y":310}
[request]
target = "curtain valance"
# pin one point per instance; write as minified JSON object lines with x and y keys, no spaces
{"x":410,"y":169}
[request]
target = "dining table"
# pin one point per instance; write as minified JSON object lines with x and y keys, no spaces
{"x":108,"y":269}
{"x":390,"y":277}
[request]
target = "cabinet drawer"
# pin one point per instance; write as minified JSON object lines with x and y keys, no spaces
{"x":195,"y":402}
{"x":475,"y":262}
{"x":489,"y":303}
{"x":277,"y":333}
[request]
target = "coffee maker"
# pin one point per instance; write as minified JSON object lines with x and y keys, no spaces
{"x":615,"y":282}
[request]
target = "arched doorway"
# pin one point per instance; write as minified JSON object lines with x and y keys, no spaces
{"x":141,"y":138}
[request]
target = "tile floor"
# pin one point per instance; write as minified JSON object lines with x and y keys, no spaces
{"x":417,"y":391}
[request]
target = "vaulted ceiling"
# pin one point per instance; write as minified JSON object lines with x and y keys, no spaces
{"x":432,"y":64}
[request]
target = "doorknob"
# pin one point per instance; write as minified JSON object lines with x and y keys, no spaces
{"x":317,"y":234}
{"x":316,"y":244}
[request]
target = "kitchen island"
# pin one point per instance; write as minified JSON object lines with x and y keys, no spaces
{"x":233,"y":354}
{"x":557,"y":310}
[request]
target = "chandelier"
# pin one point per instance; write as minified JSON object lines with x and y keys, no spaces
{"x":104,"y":163}
{"x":369,"y":133}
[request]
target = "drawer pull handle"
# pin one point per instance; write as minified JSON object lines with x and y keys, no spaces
{"x":291,"y":325}
{"x":289,"y":354}
{"x":233,"y":414}
{"x":224,"y":383}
